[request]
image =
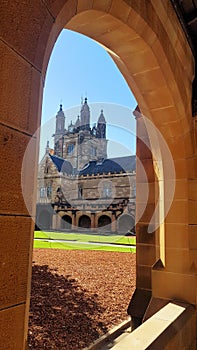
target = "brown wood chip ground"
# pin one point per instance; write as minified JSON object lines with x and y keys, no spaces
{"x":77,"y":296}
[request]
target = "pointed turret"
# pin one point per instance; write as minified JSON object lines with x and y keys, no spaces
{"x":60,"y":121}
{"x":101,"y":126}
{"x":85,"y":116}
{"x":59,"y":132}
{"x":78,"y":122}
{"x":47,"y":148}
{"x":71,"y":127}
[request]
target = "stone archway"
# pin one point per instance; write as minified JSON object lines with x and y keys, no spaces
{"x":44,"y":220}
{"x":104,"y":220}
{"x":104,"y":223}
{"x":66,"y":222}
{"x":148,"y":45}
{"x":84,"y":221}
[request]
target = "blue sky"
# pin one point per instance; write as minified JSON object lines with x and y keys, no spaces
{"x":80,"y":67}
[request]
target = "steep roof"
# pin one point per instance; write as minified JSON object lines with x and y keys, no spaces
{"x":105,"y":166}
{"x":101,"y":119}
{"x":62,"y":165}
{"x":128,"y":163}
{"x":114,"y":165}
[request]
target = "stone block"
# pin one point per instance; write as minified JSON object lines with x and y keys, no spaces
{"x":193,"y":189}
{"x":185,"y":338}
{"x":15,"y":249}
{"x":35,"y":103}
{"x":188,"y":143}
{"x":171,"y":131}
{"x":178,"y":260}
{"x":176,"y":235}
{"x":192,"y":212}
{"x":12,"y":328}
{"x":31,"y":24}
{"x":143,"y":277}
{"x":147,"y":190}
{"x":136,"y":21}
{"x":178,"y":212}
{"x":150,"y":80}
{"x":143,"y":236}
{"x":141,"y":61}
{"x":181,"y":168}
{"x":158,"y":98}
{"x":83,"y":5}
{"x":172,"y":285}
{"x":192,"y":236}
{"x":13,"y":146}
{"x":119,"y":9}
{"x":192,"y":167}
{"x":162,"y":116}
{"x":146,"y":254}
{"x":178,"y":190}
{"x":21,"y":91}
{"x":144,"y":211}
{"x":102,"y":5}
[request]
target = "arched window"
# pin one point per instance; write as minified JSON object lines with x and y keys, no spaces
{"x":42,"y":192}
{"x":49,"y":191}
{"x":93,"y":151}
{"x":80,"y":191}
{"x":107,"y":189}
{"x":70,"y":148}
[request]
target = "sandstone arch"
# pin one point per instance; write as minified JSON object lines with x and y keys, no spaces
{"x":147,"y":43}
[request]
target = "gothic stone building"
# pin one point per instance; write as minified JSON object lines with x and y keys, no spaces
{"x":78,"y":186}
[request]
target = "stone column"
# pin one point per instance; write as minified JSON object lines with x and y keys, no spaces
{"x":73,"y":220}
{"x":54,"y":221}
{"x":146,"y":254}
{"x":92,"y":221}
{"x":114,"y":222}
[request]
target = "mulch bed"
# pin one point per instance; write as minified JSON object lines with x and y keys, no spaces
{"x":77,"y":296}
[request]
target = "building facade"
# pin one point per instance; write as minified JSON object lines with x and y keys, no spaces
{"x":78,"y":186}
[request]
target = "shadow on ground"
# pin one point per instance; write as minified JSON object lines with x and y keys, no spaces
{"x":61,"y":312}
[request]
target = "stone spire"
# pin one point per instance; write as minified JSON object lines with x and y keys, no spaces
{"x":47,"y":148}
{"x":60,"y":121}
{"x":59,"y":132}
{"x":78,"y":122}
{"x":85,"y":116}
{"x":101,"y":126}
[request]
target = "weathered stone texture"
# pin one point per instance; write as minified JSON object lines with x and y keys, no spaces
{"x":15,"y":244}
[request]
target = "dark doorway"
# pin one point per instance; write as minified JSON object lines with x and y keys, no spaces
{"x":66,"y":222}
{"x":104,"y":220}
{"x":84,"y":221}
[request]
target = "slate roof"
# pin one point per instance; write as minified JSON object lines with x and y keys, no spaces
{"x":113,"y":165}
{"x":62,"y":165}
{"x":94,"y":167}
{"x":128,"y":163}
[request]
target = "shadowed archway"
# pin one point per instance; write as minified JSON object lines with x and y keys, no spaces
{"x":104,"y":220}
{"x":66,"y":222}
{"x":84,"y":221}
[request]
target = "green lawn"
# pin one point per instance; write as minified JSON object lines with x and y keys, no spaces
{"x":78,"y":238}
